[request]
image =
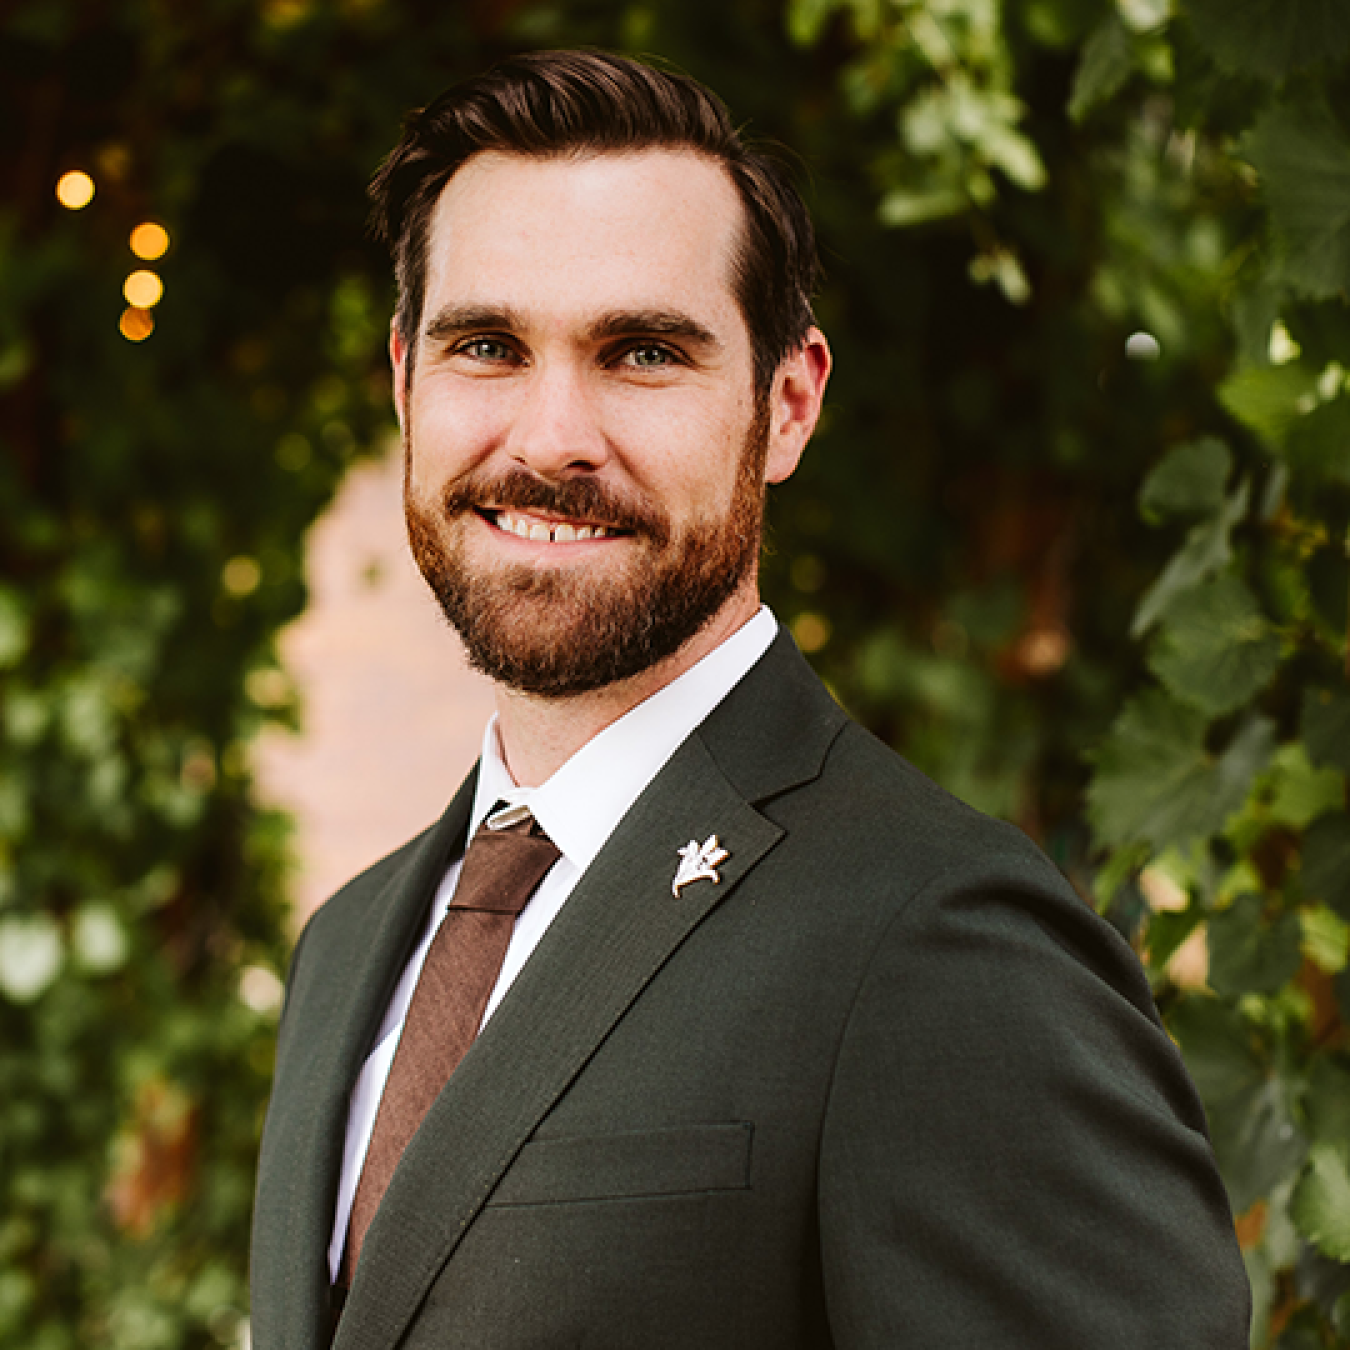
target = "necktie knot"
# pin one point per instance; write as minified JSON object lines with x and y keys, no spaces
{"x":502,"y":867}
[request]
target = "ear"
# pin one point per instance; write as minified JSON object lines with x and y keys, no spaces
{"x":398,"y":358}
{"x":794,"y":404}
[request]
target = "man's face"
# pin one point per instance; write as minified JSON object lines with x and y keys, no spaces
{"x":586,"y":457}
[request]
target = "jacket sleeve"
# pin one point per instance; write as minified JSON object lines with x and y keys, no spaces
{"x":1013,"y":1156}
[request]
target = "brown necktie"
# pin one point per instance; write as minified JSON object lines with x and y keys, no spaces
{"x":501,"y":870}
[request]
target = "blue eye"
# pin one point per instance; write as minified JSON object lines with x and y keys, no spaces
{"x":649,"y":357}
{"x":486,"y":349}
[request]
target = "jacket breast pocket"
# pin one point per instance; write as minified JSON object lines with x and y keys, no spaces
{"x":686,"y":1160}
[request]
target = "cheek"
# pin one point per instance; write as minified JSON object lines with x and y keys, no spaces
{"x":448,"y":429}
{"x":686,"y":455}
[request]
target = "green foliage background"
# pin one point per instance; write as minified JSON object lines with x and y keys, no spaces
{"x":1083,"y":485}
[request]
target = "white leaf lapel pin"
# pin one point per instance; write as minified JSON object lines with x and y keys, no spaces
{"x":699,"y":862}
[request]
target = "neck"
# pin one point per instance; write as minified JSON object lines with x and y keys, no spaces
{"x":539,"y":735}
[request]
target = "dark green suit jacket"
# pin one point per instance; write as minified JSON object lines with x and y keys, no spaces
{"x":890,"y":1083}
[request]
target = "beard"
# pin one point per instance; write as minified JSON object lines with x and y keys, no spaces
{"x":560,"y":631}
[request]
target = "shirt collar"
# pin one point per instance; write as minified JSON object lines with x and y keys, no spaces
{"x":580,"y":806}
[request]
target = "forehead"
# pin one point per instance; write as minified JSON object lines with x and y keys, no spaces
{"x":649,"y":229}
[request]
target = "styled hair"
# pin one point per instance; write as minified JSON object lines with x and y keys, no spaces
{"x":547,"y":105}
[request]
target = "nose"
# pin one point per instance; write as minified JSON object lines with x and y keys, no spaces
{"x":557,"y":429}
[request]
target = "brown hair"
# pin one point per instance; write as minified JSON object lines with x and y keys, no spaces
{"x":547,"y":104}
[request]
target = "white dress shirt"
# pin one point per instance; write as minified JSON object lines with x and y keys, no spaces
{"x":578,"y":808}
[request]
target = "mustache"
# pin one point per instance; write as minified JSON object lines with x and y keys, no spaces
{"x":583,"y":499}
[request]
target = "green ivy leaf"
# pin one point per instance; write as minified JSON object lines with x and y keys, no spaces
{"x":1300,"y":793}
{"x":806,"y":18}
{"x":1247,"y":755}
{"x":1217,"y":1047}
{"x":1270,"y":38}
{"x":1326,"y":862}
{"x":1189,"y":480}
{"x":1303,"y":157}
{"x":1156,"y":783}
{"x":1326,"y":938}
{"x":1106,"y":63}
{"x":1269,"y":399}
{"x":1319,"y":444}
{"x":1321,"y":1205}
{"x":1258,"y":1144}
{"x":1247,"y":955}
{"x":1324,"y":728}
{"x":1326,"y":1104}
{"x":1216,"y":649}
{"x":1206,"y":552}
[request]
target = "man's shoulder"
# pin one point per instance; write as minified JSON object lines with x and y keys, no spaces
{"x":872,"y":804}
{"x":784,"y":741}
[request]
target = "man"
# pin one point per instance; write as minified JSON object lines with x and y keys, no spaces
{"x":787,"y":1048}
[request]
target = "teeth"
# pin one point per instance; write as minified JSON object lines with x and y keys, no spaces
{"x":562,"y":533}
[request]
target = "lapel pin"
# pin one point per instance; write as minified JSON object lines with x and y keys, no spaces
{"x":699,"y":862}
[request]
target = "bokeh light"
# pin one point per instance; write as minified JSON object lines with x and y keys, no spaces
{"x":143,"y":289}
{"x":75,"y":190}
{"x":149,"y":240}
{"x":136,"y":324}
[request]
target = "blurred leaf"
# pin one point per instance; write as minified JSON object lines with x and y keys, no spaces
{"x":904,"y":206}
{"x":1303,"y":157}
{"x":1326,"y":938}
{"x":1270,"y":38}
{"x":1319,"y":444}
{"x":30,"y":956}
{"x":1270,"y":399}
{"x":1218,"y":1049}
{"x":1247,"y":755}
{"x":1207,"y":551}
{"x":1325,"y":728}
{"x":1258,"y":1143}
{"x":13,"y":628}
{"x":1327,"y":1101}
{"x":1189,"y":480}
{"x":1326,"y":862}
{"x":1156,"y":782}
{"x":807,"y":17}
{"x":1249,"y":955}
{"x":1321,"y":1206}
{"x":1106,"y":62}
{"x":1216,"y":649}
{"x":1302,"y":792}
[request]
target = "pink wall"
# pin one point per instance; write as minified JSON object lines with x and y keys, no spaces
{"x":392,"y":716}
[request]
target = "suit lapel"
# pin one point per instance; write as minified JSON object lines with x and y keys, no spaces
{"x":335,"y":1021}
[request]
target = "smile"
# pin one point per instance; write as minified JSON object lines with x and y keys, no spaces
{"x":539,"y":530}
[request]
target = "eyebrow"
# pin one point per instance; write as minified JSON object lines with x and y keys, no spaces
{"x":456,"y":322}
{"x":459,"y":321}
{"x":655,"y":323}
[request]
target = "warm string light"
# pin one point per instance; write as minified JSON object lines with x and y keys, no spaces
{"x":143,"y":289}
{"x":75,"y":190}
{"x":136,"y":324}
{"x":149,"y":241}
